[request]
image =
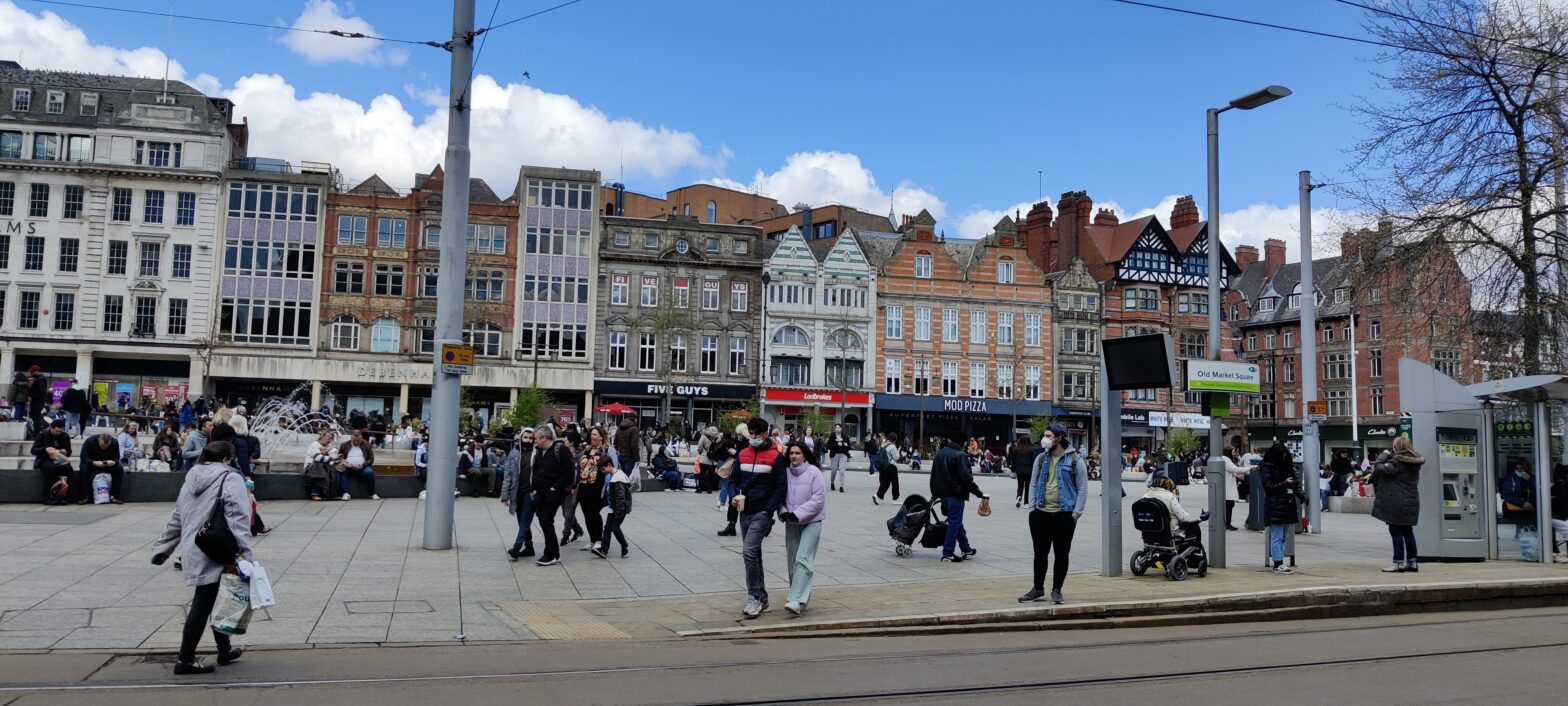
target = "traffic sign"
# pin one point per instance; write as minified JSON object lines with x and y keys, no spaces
{"x":456,"y":358}
{"x":1317,"y":411}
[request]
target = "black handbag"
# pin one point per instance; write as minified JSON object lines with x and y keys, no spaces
{"x":215,"y":538}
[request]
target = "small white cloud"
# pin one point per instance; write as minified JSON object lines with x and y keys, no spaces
{"x":325,"y":48}
{"x":838,"y":177}
{"x":978,"y":223}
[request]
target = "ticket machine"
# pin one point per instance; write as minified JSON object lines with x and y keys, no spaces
{"x":1444,"y":422}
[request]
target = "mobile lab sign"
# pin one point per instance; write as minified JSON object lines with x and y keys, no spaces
{"x":1219,"y":376}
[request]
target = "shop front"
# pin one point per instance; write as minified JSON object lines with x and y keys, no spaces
{"x":1082,"y":424}
{"x":995,"y":422}
{"x":1334,"y":438}
{"x":692,"y":405}
{"x":122,"y":382}
{"x":789,"y":408}
{"x":1136,"y":432}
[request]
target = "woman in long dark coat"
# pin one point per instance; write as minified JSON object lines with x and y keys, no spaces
{"x":1398,"y":501}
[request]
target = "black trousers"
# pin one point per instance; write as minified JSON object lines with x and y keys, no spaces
{"x":1230,"y":509}
{"x":546,"y":503}
{"x":886,"y":479}
{"x":1051,"y":531}
{"x":196,"y":623}
{"x":592,"y":505}
{"x":82,"y":484}
{"x":1023,"y":483}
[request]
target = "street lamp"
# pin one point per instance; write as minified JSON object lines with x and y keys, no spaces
{"x":1216,"y":432}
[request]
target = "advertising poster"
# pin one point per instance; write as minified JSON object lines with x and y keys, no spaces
{"x":101,"y":390}
{"x":171,"y":393}
{"x":124,"y":393}
{"x":149,"y":392}
{"x":57,"y":387}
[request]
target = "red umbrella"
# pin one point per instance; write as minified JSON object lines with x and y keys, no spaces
{"x":615,"y":408}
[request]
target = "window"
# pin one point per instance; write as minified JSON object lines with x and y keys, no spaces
{"x":113,"y":313}
{"x":485,"y":338}
{"x":1142,"y":298}
{"x":158,"y":154}
{"x":1004,"y":328}
{"x":21,"y":100}
{"x":650,"y":241}
{"x":345,"y":333}
{"x":389,"y":282}
{"x":7,"y":197}
{"x":711,"y":245}
{"x":38,"y":202}
{"x":428,"y":282}
{"x":682,"y":292}
{"x":70,"y":252}
{"x":182,"y":262}
{"x":89,"y":104}
{"x":1235,"y":312}
{"x":1078,"y":385}
{"x":1376,"y":295}
{"x":710,"y":355}
{"x":949,"y":378}
{"x":1145,"y":395}
{"x":620,"y":289}
{"x":28,"y":317}
{"x":894,"y":323}
{"x":119,"y":254}
{"x":977,"y":326}
{"x":152,"y":206}
{"x":179,"y":311}
{"x":647,"y":355}
{"x":823,"y":230}
{"x":1268,"y":371}
{"x":1375,"y":329}
{"x":1004,"y":381}
{"x":844,"y":340}
{"x":1081,"y":341}
{"x":1375,"y":363}
{"x":274,"y":202}
{"x":1266,"y":305}
{"x":1263,"y":406}
{"x":737,"y":296}
{"x":64,"y":311}
{"x":1341,"y":295}
{"x":1447,"y":363}
{"x":5,"y":257}
{"x":120,"y":211}
{"x":384,"y":336}
{"x":650,"y":291}
{"x":1348,"y":331}
{"x":485,"y":238}
{"x":623,"y":239}
{"x":922,"y":323}
{"x":263,"y":258}
{"x":713,"y":212}
{"x":351,"y":230}
{"x":73,"y":202}
{"x":273,"y":322}
{"x":1290,"y":371}
{"x":392,"y":232}
{"x":678,"y":354}
{"x":1031,"y":382}
{"x":742,"y":246}
{"x":485,"y":286}
{"x":1032,"y":330}
{"x":33,"y":254}
{"x":55,"y":103}
{"x":555,"y":289}
{"x":893,"y":376}
{"x":348,"y":278}
{"x":845,"y":374}
{"x":10,"y":144}
{"x":710,"y":295}
{"x":1194,"y":345}
{"x":617,"y":350}
{"x":1338,"y":403}
{"x":1268,"y":340}
{"x":46,"y":146}
{"x":922,"y":377}
{"x":1294,"y":302}
{"x":737,"y":355}
{"x":146,"y":317}
{"x":923,"y":266}
{"x":1336,"y":366}
{"x":1290,"y":338}
{"x":791,"y":371}
{"x":432,"y":237}
{"x":1004,"y":271}
{"x":1290,"y":406}
{"x":1328,"y":334}
{"x":1376,"y":396}
{"x":791,"y":336}
{"x":1252,"y":342}
{"x":949,"y":325}
{"x":547,"y":338}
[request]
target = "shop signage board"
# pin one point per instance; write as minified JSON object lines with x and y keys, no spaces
{"x":815,"y":396}
{"x":457,"y":359}
{"x":1221,"y":376}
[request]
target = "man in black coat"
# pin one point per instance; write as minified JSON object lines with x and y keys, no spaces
{"x":101,"y":454}
{"x":952,"y":482}
{"x":51,"y":456}
{"x":74,"y":403}
{"x":553,"y":472}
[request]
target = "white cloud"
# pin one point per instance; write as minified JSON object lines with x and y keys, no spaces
{"x":824,"y":176}
{"x":979,"y":222}
{"x":325,"y":48}
{"x":47,"y":40}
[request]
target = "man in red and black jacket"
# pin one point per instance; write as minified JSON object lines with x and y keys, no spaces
{"x":761,"y":470}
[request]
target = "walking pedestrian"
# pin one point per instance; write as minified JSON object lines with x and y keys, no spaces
{"x":838,"y":457}
{"x":707,"y":466}
{"x":952,"y":482}
{"x":591,"y":478}
{"x":73,"y":402}
{"x":805,"y":506}
{"x":1059,"y":481}
{"x":212,"y":481}
{"x":553,"y":472}
{"x":571,"y":530}
{"x":1020,"y":458}
{"x":627,"y":442}
{"x":1281,"y":492}
{"x":883,"y":464}
{"x":760,"y":470}
{"x":1398,"y":502}
{"x":517,"y":492}
{"x":1234,"y":473}
{"x":619,"y":490}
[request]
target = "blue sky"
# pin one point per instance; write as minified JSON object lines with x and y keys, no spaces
{"x":952,"y":106}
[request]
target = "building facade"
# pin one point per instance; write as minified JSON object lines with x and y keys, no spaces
{"x":556,"y":284}
{"x":965,"y":330}
{"x":1077,"y":325}
{"x":819,"y":335}
{"x":109,"y":194}
{"x":680,"y":316}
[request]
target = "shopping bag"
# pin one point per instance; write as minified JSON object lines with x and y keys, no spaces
{"x":231,"y":611}
{"x":985,"y":507}
{"x":101,"y":484}
{"x":260,"y":585}
{"x":1530,"y":545}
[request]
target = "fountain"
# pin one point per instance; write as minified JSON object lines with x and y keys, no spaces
{"x":286,"y":425}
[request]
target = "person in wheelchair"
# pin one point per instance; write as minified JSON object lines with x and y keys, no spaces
{"x":1154,"y":515}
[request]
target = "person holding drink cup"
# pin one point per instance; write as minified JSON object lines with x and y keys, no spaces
{"x":761,"y":475}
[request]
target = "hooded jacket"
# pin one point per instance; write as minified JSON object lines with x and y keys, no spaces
{"x":1279,"y":488}
{"x":627,"y":440}
{"x":518,"y":476}
{"x":198,"y":497}
{"x":950,"y":475}
{"x":1396,"y":476}
{"x":805,"y":497}
{"x":74,"y":400}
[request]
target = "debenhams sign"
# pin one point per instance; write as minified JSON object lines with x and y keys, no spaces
{"x":19,"y":228}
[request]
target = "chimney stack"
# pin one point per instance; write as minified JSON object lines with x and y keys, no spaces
{"x":1246,"y":256}
{"x":1185,"y":213}
{"x":1273,"y":255}
{"x":1106,"y":217}
{"x":1072,"y":222}
{"x":1038,"y":234}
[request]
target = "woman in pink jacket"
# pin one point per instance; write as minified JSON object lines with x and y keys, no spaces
{"x":805,"y":506}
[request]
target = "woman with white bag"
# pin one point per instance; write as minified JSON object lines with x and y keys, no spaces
{"x":212,"y":481}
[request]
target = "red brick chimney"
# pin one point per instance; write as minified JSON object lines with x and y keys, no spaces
{"x":1273,"y":255}
{"x":1106,"y":217}
{"x":1185,"y":213}
{"x":1072,"y":223}
{"x":1038,"y":234}
{"x":1246,"y":256}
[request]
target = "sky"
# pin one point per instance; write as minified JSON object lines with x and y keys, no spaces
{"x":971,"y":110}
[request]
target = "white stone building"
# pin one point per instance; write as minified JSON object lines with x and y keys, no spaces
{"x":818,"y":318}
{"x":109,"y":190}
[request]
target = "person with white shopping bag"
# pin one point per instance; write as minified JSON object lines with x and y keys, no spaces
{"x":211,"y":517}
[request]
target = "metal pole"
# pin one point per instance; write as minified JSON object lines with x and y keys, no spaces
{"x":442,"y":473}
{"x":1542,"y":479}
{"x":1111,"y":478}
{"x":1216,"y":431}
{"x":1311,"y":449}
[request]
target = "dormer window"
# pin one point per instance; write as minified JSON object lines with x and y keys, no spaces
{"x":89,"y":104}
{"x":1341,"y":295}
{"x":1266,"y":305}
{"x":55,"y":105}
{"x":1295,"y":298}
{"x":21,"y":100}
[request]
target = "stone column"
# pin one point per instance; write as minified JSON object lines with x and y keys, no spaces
{"x":315,"y":395}
{"x":8,"y":363}
{"x":84,"y":368}
{"x":402,"y":400}
{"x":198,"y":376}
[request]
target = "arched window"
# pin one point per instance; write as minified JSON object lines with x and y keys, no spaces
{"x":1295,"y":298}
{"x":485,"y":338}
{"x":713,"y":212}
{"x":345,"y":333}
{"x":791,"y":336}
{"x":844,"y":340}
{"x":385,"y":336}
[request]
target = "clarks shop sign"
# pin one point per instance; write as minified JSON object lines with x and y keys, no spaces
{"x":19,"y":228}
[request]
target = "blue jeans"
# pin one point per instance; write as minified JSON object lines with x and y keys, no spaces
{"x":726,"y":489}
{"x":368,"y":472}
{"x":953,"y":510}
{"x":525,"y":520}
{"x":1323,"y":493}
{"x":1277,"y":534}
{"x":754,"y":527}
{"x":73,"y":423}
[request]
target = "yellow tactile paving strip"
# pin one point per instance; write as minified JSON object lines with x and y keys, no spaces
{"x":561,"y":621}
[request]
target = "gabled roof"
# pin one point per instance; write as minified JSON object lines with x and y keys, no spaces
{"x":1327,"y":275}
{"x":373,"y":186}
{"x":480,"y":192}
{"x":1184,"y":236}
{"x":1113,"y":242}
{"x":878,"y":246}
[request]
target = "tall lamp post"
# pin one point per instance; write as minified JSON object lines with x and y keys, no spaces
{"x":1216,"y":431}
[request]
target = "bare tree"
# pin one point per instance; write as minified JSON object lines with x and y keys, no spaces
{"x":1464,"y":160}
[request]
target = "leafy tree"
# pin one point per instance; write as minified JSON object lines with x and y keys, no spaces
{"x":1181,"y":442}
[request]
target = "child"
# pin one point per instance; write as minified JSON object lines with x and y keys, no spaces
{"x":257,"y":527}
{"x":620,"y":492}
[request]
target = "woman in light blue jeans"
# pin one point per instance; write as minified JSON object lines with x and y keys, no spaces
{"x":805,"y":506}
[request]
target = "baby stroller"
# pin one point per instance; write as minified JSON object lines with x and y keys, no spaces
{"x":1175,"y":554}
{"x":916,"y":520}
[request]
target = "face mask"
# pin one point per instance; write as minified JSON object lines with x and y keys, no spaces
{"x":1047,"y":441}
{"x":758,"y":442}
{"x":1519,"y":472}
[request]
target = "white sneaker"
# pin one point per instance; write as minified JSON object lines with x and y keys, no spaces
{"x":1283,"y":569}
{"x":421,"y":495}
{"x":345,"y":497}
{"x":754,"y":608}
{"x":373,"y":496}
{"x":793,"y":608}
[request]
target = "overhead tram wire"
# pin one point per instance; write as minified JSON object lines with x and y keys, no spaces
{"x":237,"y":23}
{"x":531,"y":15}
{"x":484,"y":38}
{"x":1435,"y":25}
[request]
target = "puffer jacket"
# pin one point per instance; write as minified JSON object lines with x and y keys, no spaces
{"x":1396,"y":477}
{"x":1280,"y":494}
{"x":627,"y":441}
{"x":197,"y":499}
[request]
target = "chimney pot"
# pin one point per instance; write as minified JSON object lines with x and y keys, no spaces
{"x":1273,"y":255}
{"x":1185,"y":213}
{"x":1106,"y":217}
{"x":1246,"y":256}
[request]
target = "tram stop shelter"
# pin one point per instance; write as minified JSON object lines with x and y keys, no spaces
{"x":1519,"y":417}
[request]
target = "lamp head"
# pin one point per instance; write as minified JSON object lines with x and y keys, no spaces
{"x":1260,"y":97}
